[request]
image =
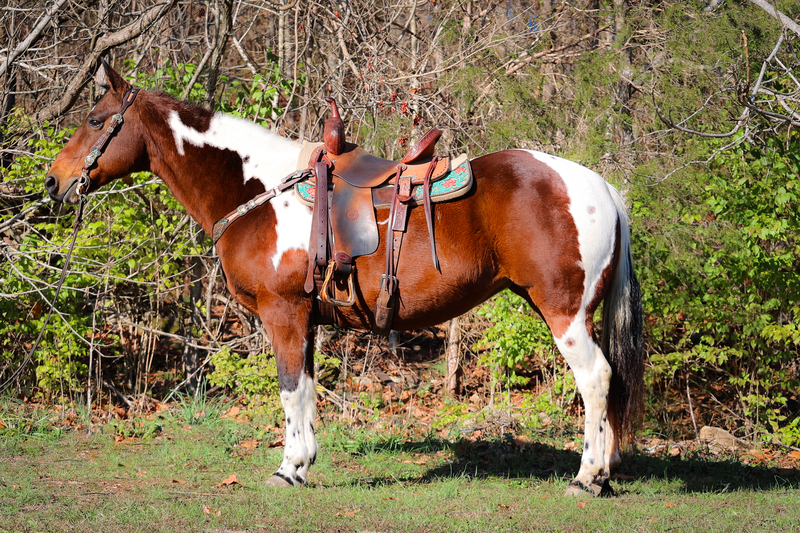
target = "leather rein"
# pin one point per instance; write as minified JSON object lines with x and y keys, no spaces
{"x":84,"y":182}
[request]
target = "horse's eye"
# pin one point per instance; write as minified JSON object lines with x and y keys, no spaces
{"x":94,"y":123}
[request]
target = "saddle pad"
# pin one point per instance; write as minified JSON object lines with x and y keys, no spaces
{"x":456,"y":183}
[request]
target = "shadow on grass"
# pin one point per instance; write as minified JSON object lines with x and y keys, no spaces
{"x":696,"y":471}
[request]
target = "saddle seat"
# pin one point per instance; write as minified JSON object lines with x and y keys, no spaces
{"x":361,"y":169}
{"x":350,"y":184}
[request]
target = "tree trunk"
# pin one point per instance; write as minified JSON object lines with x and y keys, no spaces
{"x":452,"y":380}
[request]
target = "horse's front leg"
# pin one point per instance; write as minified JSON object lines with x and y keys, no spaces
{"x":292,"y":335}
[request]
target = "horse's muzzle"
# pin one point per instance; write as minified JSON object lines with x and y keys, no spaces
{"x":69,"y":196}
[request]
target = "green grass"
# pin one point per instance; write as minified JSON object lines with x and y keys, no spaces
{"x":363,"y":481}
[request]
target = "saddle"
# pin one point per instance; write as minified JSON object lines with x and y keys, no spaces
{"x":349,"y":185}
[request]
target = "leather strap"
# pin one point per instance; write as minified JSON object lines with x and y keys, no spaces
{"x":100,"y":145}
{"x":289,"y":181}
{"x":321,"y":209}
{"x":426,"y":197}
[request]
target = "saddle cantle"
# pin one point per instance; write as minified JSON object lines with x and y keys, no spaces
{"x":354,"y":184}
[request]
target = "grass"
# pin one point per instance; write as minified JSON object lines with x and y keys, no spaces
{"x":170,"y":479}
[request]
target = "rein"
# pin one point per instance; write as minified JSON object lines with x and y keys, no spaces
{"x":17,"y":373}
{"x":84,"y":182}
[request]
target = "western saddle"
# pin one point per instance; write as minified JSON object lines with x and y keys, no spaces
{"x":344,"y":225}
{"x":349,"y":185}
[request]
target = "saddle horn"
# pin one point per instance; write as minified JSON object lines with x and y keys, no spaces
{"x":334,"y":130}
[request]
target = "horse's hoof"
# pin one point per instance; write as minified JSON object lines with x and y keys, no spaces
{"x":575,"y":490}
{"x":599,"y":487}
{"x":278,"y":482}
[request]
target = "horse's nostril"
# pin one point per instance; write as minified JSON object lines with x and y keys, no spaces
{"x":50,"y":183}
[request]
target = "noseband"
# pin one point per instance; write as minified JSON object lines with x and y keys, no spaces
{"x":99,"y":147}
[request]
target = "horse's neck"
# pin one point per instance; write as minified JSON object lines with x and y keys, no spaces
{"x":214,"y":163}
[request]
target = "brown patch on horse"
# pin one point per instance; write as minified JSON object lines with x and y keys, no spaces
{"x":545,"y":255}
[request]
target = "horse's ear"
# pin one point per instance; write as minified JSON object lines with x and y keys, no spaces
{"x":108,"y":78}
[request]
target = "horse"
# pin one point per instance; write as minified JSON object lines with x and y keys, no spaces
{"x":548,"y":229}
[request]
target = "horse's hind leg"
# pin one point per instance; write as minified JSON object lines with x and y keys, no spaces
{"x":292,"y":338}
{"x":593,"y":377}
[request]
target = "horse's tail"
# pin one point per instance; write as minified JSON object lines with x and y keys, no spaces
{"x":622,"y":340}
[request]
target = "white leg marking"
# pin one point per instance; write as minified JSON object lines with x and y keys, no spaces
{"x":593,"y":377}
{"x":300,"y":451}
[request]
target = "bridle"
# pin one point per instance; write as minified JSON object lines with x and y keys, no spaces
{"x":84,"y":182}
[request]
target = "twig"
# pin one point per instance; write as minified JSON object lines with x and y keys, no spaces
{"x":118,"y":393}
{"x":691,"y":410}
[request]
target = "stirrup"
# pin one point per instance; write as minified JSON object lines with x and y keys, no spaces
{"x":323,"y":293}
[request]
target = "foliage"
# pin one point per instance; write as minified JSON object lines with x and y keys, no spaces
{"x":254,"y":378}
{"x":137,"y":428}
{"x":720,"y":287}
{"x":513,"y":335}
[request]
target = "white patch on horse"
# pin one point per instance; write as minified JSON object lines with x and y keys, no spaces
{"x":265,"y":156}
{"x":293,"y":228}
{"x":594,"y":212}
{"x":300,"y":451}
{"x":596,"y":230}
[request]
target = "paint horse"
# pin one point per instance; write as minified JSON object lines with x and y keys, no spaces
{"x":546,"y":228}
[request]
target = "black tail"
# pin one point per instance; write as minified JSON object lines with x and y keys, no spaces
{"x":622,"y":341}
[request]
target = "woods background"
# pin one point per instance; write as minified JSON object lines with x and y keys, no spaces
{"x":690,"y":108}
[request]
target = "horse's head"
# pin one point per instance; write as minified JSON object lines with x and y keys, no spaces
{"x":123,"y":153}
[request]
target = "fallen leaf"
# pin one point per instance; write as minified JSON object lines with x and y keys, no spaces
{"x":504,"y":506}
{"x":209,"y":510}
{"x":119,"y":438}
{"x":794,"y":454}
{"x":522,"y":441}
{"x":249,"y":444}
{"x":571,"y":446}
{"x":229,"y":481}
{"x":141,"y":472}
{"x":349,"y":514}
{"x":2,"y":424}
{"x":582,"y":504}
{"x":232,"y":412}
{"x":757,"y":454}
{"x":670,"y":504}
{"x":15,"y":486}
{"x":178,"y":482}
{"x":276,"y":444}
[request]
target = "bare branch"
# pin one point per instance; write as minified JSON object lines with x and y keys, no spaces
{"x":32,"y":37}
{"x":86,"y":71}
{"x":785,"y":21}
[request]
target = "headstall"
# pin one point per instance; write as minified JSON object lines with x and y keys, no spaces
{"x":100,"y":145}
